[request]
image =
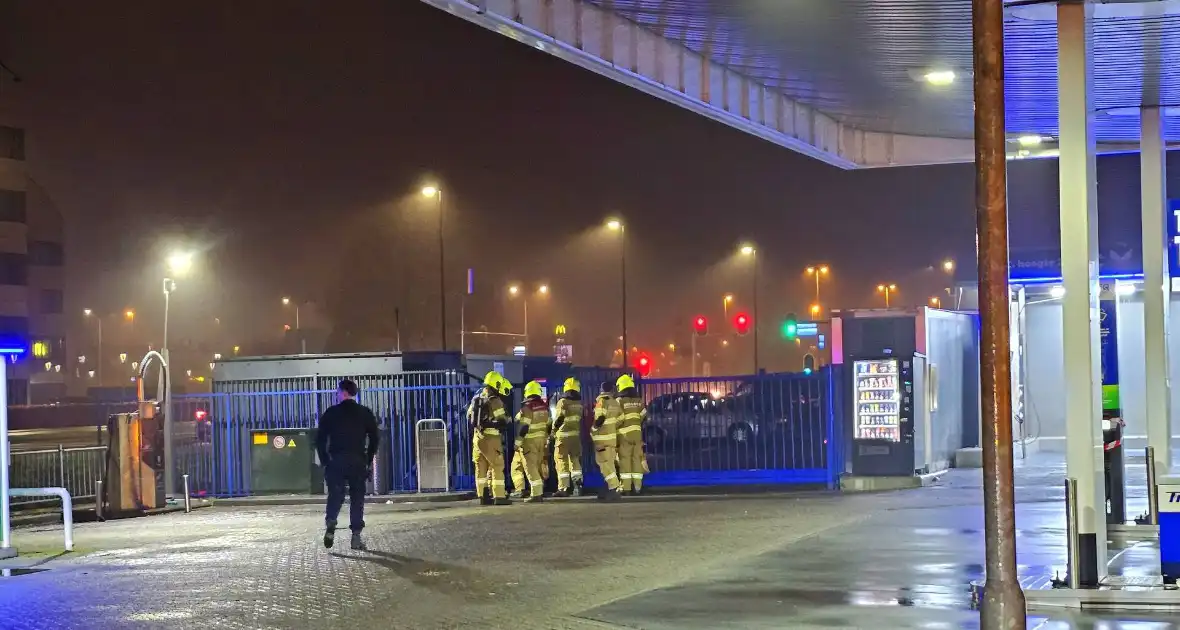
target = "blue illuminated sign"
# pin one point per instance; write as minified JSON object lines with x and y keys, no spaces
{"x":1118,"y":262}
{"x":807,"y":329}
{"x":1173,"y":232}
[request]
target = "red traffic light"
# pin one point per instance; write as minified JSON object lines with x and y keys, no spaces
{"x":700,"y":324}
{"x":741,"y":323}
{"x":199,"y":414}
{"x":643,"y":364}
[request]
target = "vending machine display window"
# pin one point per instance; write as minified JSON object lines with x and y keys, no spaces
{"x":878,"y":400}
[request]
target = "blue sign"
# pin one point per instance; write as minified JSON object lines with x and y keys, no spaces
{"x":1119,"y":260}
{"x":807,"y":329}
{"x":1172,"y":230}
{"x":1109,"y":353}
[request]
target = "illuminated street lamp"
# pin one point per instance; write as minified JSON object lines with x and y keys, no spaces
{"x":818,"y":271}
{"x":98,"y":323}
{"x":179,"y":263}
{"x":948,"y":266}
{"x":887,"y":290}
{"x":936,"y":302}
{"x":749,"y":250}
{"x":122,"y":357}
{"x":515,"y":290}
{"x":129,"y":315}
{"x":726,"y":300}
{"x":815,"y":310}
{"x":302,"y":342}
{"x":616,"y":225}
{"x":436,"y":193}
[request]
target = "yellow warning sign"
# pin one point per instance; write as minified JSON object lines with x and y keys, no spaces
{"x":291,"y":444}
{"x":261,"y":438}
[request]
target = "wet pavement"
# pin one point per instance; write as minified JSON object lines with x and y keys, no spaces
{"x":895,"y":560}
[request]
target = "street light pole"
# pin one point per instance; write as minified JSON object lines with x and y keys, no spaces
{"x":442,"y":273}
{"x":165,"y":387}
{"x":436,"y":193}
{"x":757,"y":318}
{"x":623,"y":267}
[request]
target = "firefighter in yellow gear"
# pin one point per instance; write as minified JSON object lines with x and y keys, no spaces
{"x":475,"y":409}
{"x":634,"y":412}
{"x":607,"y":414}
{"x":567,"y":439}
{"x":488,"y":419}
{"x":533,"y":437}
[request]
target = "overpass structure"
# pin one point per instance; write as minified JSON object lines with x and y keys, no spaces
{"x":886,"y":83}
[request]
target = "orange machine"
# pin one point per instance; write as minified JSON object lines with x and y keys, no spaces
{"x":135,"y":459}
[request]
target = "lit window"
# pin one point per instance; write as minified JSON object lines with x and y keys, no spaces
{"x":40,"y":349}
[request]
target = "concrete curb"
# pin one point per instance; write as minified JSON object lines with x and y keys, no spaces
{"x":267,"y":501}
{"x":86,"y":514}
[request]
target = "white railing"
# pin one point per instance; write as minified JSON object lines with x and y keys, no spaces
{"x":67,"y":507}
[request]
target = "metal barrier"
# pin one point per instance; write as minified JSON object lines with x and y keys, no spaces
{"x":1072,"y":577}
{"x":764,"y":429}
{"x":75,"y":469}
{"x":1153,"y":504}
{"x":211,"y":431}
{"x":67,"y":507}
{"x":432,"y":455}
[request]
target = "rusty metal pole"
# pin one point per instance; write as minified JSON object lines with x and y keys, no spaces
{"x":1003,"y":606}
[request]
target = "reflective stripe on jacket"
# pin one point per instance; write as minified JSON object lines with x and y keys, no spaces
{"x":633,"y":415}
{"x":570,"y":413}
{"x":535,"y":415}
{"x":607,"y":409}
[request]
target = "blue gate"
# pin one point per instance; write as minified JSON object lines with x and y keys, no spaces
{"x":765,"y":429}
{"x":211,"y":430}
{"x":742,"y":430}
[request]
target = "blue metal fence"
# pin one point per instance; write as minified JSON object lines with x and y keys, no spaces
{"x":764,"y":429}
{"x":212,"y":430}
{"x":741,"y":430}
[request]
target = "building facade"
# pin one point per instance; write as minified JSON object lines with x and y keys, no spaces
{"x":32,"y":277}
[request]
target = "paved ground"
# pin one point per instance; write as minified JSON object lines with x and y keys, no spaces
{"x":898,"y":560}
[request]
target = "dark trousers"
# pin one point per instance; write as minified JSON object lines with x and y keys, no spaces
{"x":354,"y":477}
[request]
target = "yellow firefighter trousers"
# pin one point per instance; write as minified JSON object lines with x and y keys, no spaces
{"x":532,"y":454}
{"x":631,"y":461}
{"x":604,"y":456}
{"x":490,"y":465}
{"x":516,"y":469}
{"x":568,"y":455}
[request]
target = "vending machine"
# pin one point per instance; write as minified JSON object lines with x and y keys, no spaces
{"x":883,"y":415}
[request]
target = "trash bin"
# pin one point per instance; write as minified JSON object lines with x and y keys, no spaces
{"x":1112,"y":458}
{"x":282,"y":461}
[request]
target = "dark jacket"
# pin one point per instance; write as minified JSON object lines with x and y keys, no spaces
{"x":347,"y":435}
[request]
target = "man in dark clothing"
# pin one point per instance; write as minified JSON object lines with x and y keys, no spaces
{"x":347,"y":443}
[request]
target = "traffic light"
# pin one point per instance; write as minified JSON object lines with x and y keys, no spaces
{"x":791,"y":326}
{"x":808,"y":364}
{"x":643,"y":364}
{"x":741,"y":323}
{"x":701,"y":325}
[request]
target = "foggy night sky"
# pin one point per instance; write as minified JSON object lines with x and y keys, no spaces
{"x":289,"y":140}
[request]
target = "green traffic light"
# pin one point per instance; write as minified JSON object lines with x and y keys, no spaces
{"x":790,"y":328}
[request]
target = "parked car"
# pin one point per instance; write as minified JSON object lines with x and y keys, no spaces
{"x":774,"y":406}
{"x":692,"y":416}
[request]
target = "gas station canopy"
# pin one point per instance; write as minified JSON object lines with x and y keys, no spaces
{"x":856,"y":83}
